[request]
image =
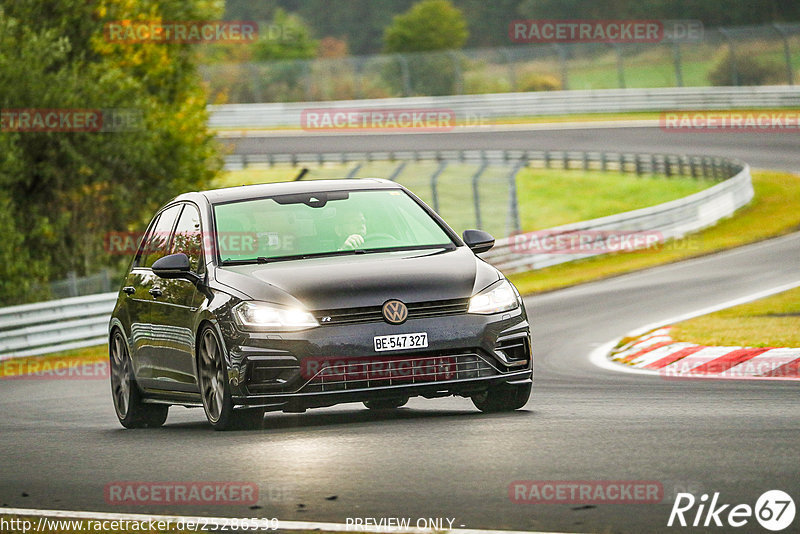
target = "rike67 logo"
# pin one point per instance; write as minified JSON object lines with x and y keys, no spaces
{"x":774,"y":510}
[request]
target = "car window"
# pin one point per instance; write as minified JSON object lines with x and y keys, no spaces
{"x":140,"y":249}
{"x":188,"y":237}
{"x":324,"y":223}
{"x":157,"y":243}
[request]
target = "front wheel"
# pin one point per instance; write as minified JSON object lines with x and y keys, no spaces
{"x":503,"y":398}
{"x":132,"y":412}
{"x":215,"y":391}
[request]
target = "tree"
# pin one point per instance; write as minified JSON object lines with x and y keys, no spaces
{"x":286,"y":36}
{"x":429,"y":25}
{"x":431,"y":28}
{"x":65,"y":191}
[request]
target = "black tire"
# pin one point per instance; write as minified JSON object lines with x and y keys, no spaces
{"x":215,"y":389}
{"x":385,"y":404}
{"x":503,"y":398}
{"x":131,"y":411}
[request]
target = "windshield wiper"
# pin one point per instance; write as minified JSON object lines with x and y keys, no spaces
{"x":358,"y":251}
{"x":265,"y":259}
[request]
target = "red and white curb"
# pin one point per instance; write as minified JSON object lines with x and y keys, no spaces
{"x":654,"y":352}
{"x":657,"y":352}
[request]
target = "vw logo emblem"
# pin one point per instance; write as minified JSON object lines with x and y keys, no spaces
{"x":395,"y":312}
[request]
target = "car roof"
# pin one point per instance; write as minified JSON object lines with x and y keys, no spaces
{"x":244,"y":192}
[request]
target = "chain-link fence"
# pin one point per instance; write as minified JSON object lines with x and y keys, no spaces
{"x":474,"y":188}
{"x":76,"y":286}
{"x":752,"y":55}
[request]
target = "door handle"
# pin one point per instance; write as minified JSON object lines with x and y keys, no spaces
{"x":156,"y":292}
{"x":129,"y":290}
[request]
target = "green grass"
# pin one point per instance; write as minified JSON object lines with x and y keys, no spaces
{"x":770,"y":322}
{"x":773,"y":212}
{"x":655,"y":67}
{"x":550,"y":197}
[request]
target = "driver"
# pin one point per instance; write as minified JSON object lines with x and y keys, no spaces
{"x":352,"y":228}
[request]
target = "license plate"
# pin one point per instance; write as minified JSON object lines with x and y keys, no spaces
{"x":401,"y":341}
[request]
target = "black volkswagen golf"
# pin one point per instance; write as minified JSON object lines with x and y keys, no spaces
{"x":291,"y":296}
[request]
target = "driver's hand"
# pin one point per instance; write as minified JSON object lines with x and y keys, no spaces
{"x":353,"y":242}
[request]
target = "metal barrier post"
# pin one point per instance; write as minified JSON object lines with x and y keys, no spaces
{"x":398,"y":170}
{"x":355,"y":171}
{"x":786,"y":54}
{"x":734,"y":71}
{"x":459,"y":78}
{"x":676,"y":54}
{"x":435,"y":183}
{"x":562,"y":59}
{"x":513,"y":223}
{"x":476,"y":197}
{"x":406,"y":74}
{"x":512,"y":75}
{"x":620,"y":66}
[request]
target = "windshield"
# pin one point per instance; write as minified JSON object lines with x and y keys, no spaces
{"x":299,"y":225}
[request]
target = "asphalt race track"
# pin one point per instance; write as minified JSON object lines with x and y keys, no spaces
{"x":760,"y":150}
{"x":61,"y":443}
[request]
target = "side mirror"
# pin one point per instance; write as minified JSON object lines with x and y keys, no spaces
{"x":175,"y":266}
{"x":478,"y":240}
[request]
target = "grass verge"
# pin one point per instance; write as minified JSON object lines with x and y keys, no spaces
{"x":770,"y":322}
{"x":772,"y":212}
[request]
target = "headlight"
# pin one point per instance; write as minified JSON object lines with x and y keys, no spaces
{"x":266,"y":316}
{"x":494,"y":299}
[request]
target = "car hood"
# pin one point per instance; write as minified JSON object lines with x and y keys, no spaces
{"x":363,"y":280}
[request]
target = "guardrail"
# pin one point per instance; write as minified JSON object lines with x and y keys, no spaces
{"x":57,"y":325}
{"x":670,"y":220}
{"x":510,"y":105}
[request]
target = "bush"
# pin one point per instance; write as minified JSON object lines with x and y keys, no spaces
{"x":750,"y":70}
{"x":539,"y":82}
{"x":476,"y":83}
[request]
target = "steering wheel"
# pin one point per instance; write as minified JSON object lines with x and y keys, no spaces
{"x":375,"y":239}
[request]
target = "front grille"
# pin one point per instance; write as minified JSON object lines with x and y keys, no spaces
{"x":359,"y":373}
{"x":369,"y":314}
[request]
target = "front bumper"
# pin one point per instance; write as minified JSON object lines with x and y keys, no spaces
{"x":466,"y":354}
